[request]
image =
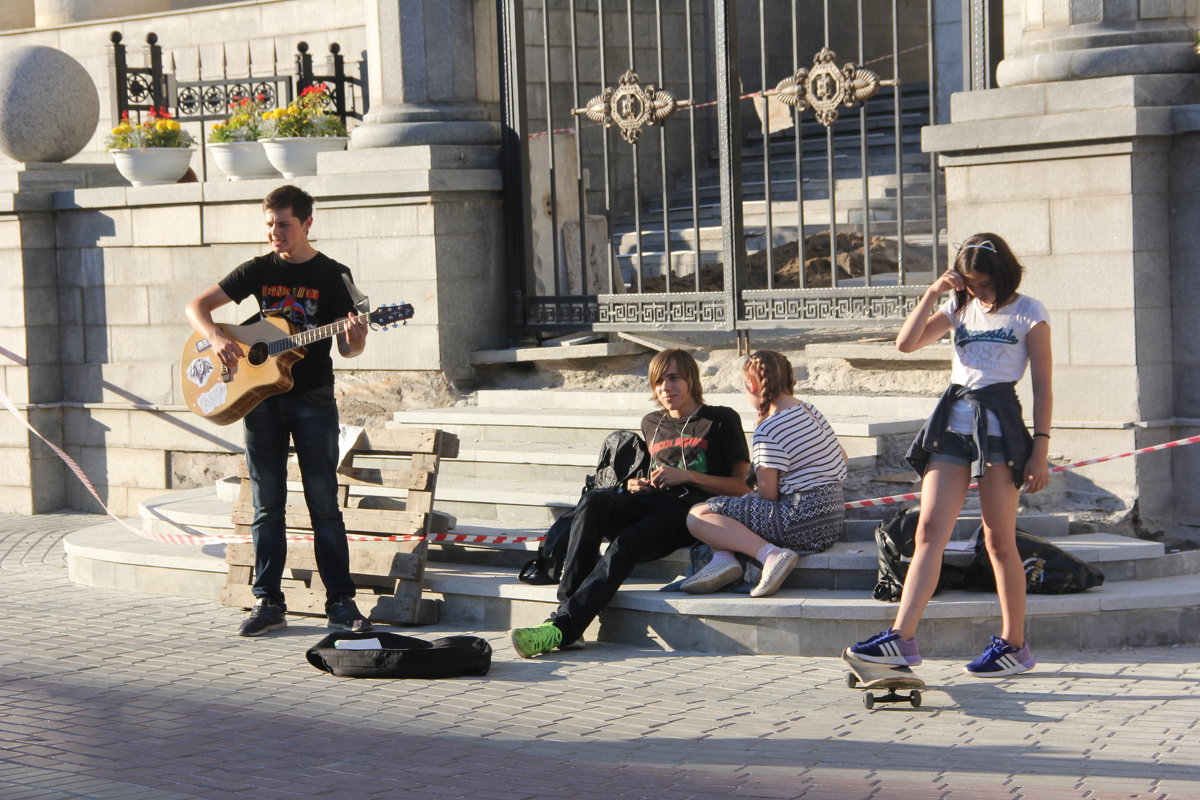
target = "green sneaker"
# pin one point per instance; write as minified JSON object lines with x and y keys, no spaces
{"x":530,"y":642}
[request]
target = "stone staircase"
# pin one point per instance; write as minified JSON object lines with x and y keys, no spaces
{"x":522,"y":460}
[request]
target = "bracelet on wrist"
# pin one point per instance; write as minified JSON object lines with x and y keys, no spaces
{"x":1046,"y":435}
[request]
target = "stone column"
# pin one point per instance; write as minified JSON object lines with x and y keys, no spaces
{"x":423,"y":74}
{"x":1088,"y":163}
{"x":1072,"y":39}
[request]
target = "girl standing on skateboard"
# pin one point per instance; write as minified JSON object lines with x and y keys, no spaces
{"x":798,"y":507}
{"x":976,"y":430}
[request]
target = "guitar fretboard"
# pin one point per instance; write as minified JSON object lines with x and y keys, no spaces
{"x":307,"y":337}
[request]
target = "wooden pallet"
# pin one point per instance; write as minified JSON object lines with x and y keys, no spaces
{"x":386,"y":487}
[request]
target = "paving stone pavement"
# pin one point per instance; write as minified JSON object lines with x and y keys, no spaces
{"x":107,"y":694}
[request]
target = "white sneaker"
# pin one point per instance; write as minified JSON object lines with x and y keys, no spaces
{"x":712,"y":577}
{"x":779,"y":565}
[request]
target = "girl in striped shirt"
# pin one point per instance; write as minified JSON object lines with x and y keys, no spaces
{"x":798,"y":507}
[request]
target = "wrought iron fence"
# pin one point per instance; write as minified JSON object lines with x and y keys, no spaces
{"x":715,"y":164}
{"x":138,"y":89}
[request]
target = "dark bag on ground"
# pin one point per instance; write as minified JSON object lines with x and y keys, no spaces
{"x":1048,"y":568}
{"x":403,"y":657}
{"x":622,"y":456}
{"x":895,"y":540}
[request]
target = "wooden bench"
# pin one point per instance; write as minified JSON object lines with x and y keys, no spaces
{"x":386,"y":485}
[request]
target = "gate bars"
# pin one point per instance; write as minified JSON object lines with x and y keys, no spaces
{"x":604,"y":249}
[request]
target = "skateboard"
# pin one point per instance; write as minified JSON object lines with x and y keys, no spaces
{"x":869,"y":675}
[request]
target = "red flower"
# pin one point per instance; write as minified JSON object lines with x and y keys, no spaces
{"x":316,"y":88}
{"x":260,"y":97}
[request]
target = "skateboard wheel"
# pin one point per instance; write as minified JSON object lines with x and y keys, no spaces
{"x":914,"y":697}
{"x":869,"y":700}
{"x":851,"y":680}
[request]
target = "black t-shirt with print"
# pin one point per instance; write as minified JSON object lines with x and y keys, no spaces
{"x":307,"y":294}
{"x":710,"y":441}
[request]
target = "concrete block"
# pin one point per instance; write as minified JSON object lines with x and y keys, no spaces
{"x":1151,"y":628}
{"x":367,"y":222}
{"x":1024,"y":225}
{"x":1016,"y":101}
{"x":38,"y":267}
{"x":1069,"y":282}
{"x":167,"y":226}
{"x":129,"y":343}
{"x":1077,"y":177}
{"x":240,"y":223}
{"x":397,"y":258}
{"x":16,"y":500}
{"x":1104,"y":338}
{"x":88,"y":228}
{"x":739,"y":636}
{"x":14,"y":467}
{"x":1076,"y":398}
{"x":16,"y":383}
{"x":1091,"y":225}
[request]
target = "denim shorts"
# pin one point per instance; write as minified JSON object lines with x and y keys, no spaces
{"x":959,"y":448}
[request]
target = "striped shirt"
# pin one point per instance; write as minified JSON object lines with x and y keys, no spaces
{"x":802,"y":446}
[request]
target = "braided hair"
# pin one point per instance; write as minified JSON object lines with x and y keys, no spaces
{"x":768,"y":375}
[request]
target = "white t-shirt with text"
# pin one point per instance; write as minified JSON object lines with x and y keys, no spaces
{"x":989,"y":348}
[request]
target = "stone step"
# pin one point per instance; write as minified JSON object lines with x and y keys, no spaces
{"x":799,"y":621}
{"x":823,"y":621}
{"x":636,"y":404}
{"x":207,"y":510}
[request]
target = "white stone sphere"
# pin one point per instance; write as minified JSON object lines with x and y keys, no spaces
{"x":49,"y":107}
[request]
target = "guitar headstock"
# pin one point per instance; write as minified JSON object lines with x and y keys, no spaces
{"x":392,"y":314}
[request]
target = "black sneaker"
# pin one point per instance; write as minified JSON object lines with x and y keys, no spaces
{"x":264,"y":618}
{"x":343,"y":615}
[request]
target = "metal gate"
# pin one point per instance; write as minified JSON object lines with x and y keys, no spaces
{"x":718,"y":164}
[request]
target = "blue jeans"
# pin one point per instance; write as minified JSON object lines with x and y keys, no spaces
{"x":310,"y":420}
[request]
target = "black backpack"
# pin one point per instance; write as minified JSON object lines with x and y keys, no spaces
{"x":622,"y":456}
{"x":895,"y":539}
{"x":1048,"y":568}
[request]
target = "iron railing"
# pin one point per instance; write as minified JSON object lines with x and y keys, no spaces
{"x":207,"y":99}
{"x":650,"y":194}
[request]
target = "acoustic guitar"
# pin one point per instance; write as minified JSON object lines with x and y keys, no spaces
{"x":272,"y":346}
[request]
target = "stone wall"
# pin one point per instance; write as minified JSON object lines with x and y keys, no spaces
{"x":93,"y":355}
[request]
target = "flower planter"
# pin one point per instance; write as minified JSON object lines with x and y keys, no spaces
{"x":298,"y":155}
{"x":242,"y":160}
{"x":151,"y":166}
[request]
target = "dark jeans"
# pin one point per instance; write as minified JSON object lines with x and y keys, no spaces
{"x":640,"y":527}
{"x":311,"y":421}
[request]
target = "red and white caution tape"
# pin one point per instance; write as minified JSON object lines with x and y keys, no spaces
{"x":186,"y":538}
{"x":901,"y":498}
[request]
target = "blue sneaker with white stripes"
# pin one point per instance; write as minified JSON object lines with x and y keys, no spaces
{"x":888,"y":648}
{"x":1000,"y":659}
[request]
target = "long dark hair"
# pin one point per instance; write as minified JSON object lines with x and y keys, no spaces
{"x":988,"y":254}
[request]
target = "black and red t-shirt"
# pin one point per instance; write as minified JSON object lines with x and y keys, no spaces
{"x":710,"y":441}
{"x":308,"y":294}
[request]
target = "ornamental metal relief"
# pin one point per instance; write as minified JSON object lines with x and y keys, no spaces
{"x":631,"y":106}
{"x":825,"y":87}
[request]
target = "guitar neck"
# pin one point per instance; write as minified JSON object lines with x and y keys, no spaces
{"x":303,"y":338}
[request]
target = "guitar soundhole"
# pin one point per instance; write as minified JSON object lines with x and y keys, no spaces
{"x":258,"y":354}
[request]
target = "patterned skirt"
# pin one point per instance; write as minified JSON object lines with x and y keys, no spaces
{"x":807,"y":522}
